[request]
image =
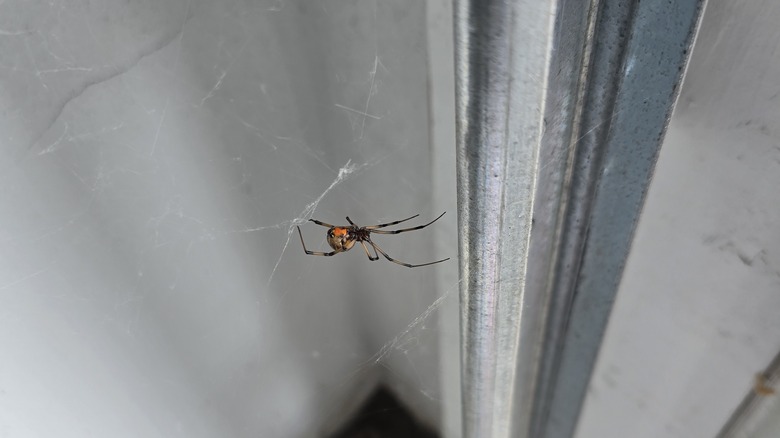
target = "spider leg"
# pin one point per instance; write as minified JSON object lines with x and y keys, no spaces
{"x":377,"y":248}
{"x":365,"y":248}
{"x":420,"y":227}
{"x":317,"y":253}
{"x":350,"y":222}
{"x":321,"y":223}
{"x":374,"y":227}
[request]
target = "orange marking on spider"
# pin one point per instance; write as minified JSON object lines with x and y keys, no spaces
{"x":342,"y":239}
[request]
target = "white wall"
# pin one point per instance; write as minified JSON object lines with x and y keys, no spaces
{"x":155,"y":159}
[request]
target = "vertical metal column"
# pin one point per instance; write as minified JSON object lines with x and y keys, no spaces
{"x":500,"y":103}
{"x":561,"y":108}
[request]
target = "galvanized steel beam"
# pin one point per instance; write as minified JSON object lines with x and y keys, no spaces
{"x":561,"y":109}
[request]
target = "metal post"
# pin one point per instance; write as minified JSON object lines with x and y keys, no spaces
{"x":500,"y":102}
{"x":752,"y":416}
{"x":561,"y":108}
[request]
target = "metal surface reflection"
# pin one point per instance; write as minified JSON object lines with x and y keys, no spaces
{"x":561,"y":109}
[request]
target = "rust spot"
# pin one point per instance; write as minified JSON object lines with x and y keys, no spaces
{"x":762,"y":385}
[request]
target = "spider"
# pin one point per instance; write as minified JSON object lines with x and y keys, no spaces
{"x":342,"y":239}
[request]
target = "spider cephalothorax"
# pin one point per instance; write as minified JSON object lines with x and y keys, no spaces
{"x":342,"y":239}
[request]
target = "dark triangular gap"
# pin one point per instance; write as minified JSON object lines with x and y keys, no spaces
{"x":383,"y":416}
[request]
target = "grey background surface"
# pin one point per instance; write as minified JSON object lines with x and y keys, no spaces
{"x":155,"y":159}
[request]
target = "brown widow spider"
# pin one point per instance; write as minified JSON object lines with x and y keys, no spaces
{"x":342,"y":239}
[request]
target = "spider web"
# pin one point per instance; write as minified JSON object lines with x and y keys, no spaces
{"x":159,"y":158}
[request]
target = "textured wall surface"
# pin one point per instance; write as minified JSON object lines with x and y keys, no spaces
{"x":155,"y":157}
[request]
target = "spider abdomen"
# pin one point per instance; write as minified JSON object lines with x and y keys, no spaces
{"x":341,"y":238}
